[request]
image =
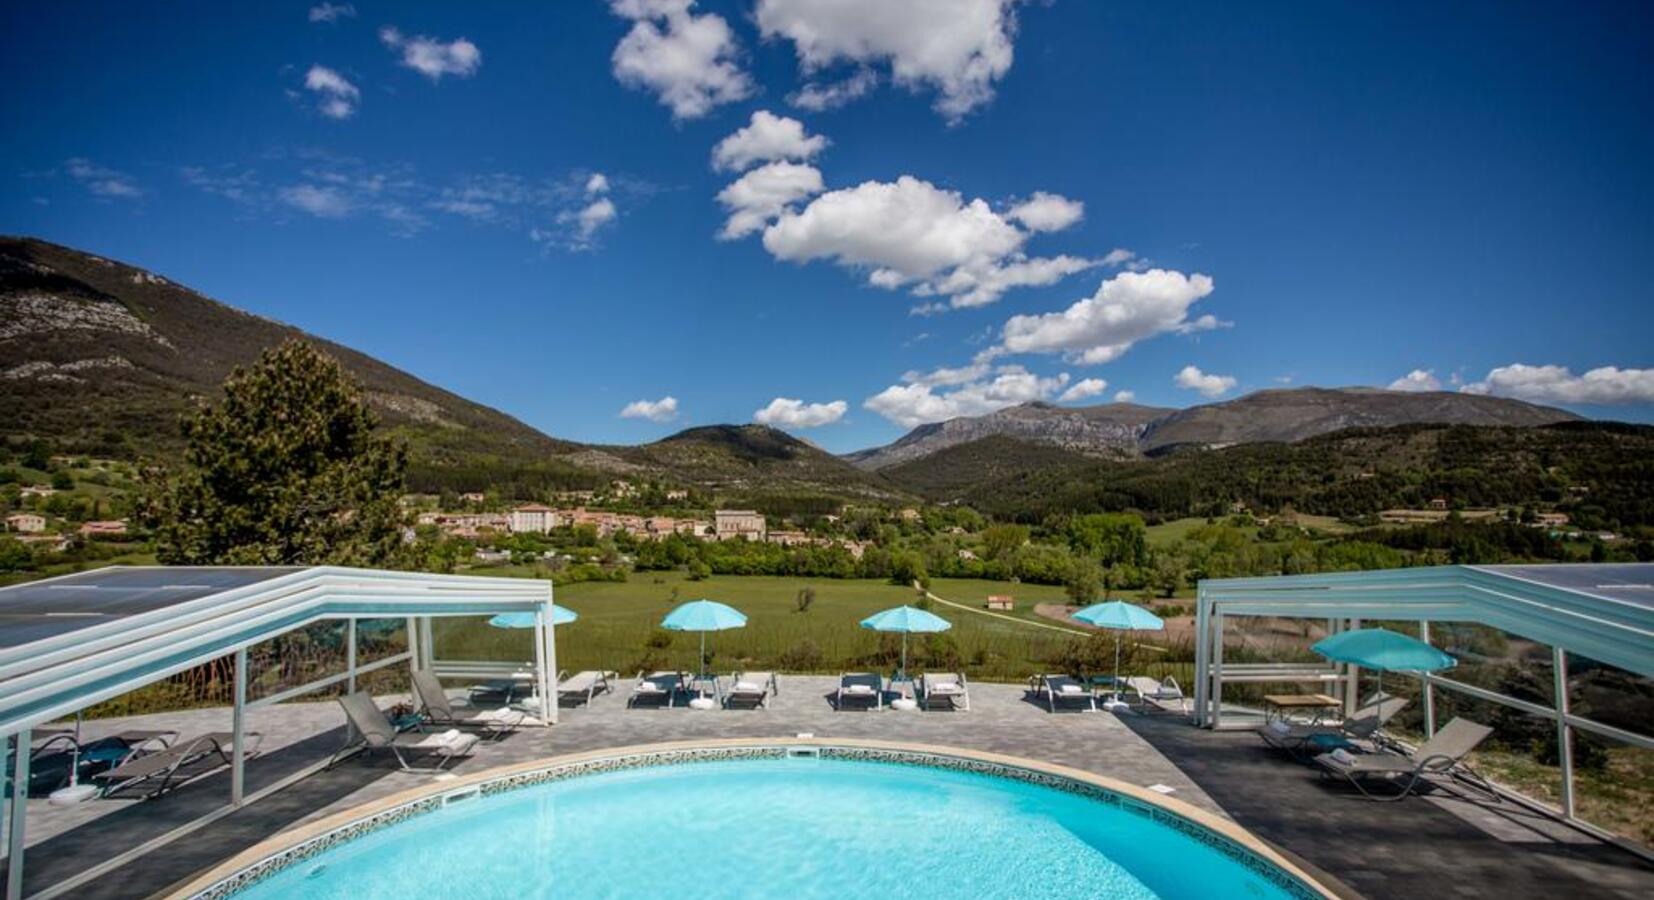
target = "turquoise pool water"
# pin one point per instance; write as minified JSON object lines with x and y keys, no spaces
{"x":792,"y":828}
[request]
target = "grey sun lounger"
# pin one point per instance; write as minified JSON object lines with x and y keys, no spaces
{"x":656,"y":686}
{"x":1443,"y":754}
{"x":1363,"y":725}
{"x":1159,"y":694}
{"x":860,"y":686}
{"x":943,"y":688}
{"x":1063,"y":689}
{"x":373,"y":731}
{"x":175,"y":764}
{"x":438,"y":710}
{"x":752,"y":688}
{"x":583,"y":686}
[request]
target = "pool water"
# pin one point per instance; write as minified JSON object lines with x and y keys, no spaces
{"x":793,"y":828}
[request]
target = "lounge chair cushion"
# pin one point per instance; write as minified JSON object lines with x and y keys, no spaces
{"x":747,"y":687}
{"x":858,"y":689}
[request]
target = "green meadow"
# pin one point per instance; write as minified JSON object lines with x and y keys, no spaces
{"x":619,"y":628}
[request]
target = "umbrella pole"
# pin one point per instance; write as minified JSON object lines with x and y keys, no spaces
{"x":1116,"y":667}
{"x":702,"y":666}
{"x":901,"y":674}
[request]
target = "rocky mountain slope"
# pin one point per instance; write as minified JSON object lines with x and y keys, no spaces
{"x":102,"y":357}
{"x":1124,"y":430}
{"x":1300,"y":413}
{"x":1110,"y":430}
{"x":97,"y":354}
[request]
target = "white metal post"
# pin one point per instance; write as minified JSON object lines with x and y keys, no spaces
{"x":17,"y":814}
{"x":238,"y":731}
{"x":1216,"y":619}
{"x":1564,"y":732}
{"x":1352,"y":686}
{"x":413,"y":645}
{"x":1202,"y":673}
{"x":1429,"y":688}
{"x":427,"y":644}
{"x":551,"y":662}
{"x":350,"y":655}
{"x":543,"y":688}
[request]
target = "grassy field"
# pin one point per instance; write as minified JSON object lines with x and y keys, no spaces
{"x":618,"y":628}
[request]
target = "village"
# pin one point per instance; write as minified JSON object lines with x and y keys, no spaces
{"x":537,"y":518}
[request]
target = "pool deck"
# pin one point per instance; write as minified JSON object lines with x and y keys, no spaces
{"x":1433,"y":846}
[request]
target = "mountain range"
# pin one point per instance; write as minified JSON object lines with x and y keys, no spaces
{"x":101,"y":356}
{"x":1127,"y":430}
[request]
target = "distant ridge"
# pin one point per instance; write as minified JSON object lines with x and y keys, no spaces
{"x":1124,"y":430}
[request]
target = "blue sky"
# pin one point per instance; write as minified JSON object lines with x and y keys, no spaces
{"x":855,"y":216}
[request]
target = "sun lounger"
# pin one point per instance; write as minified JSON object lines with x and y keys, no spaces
{"x":1362,"y":725}
{"x":374,"y":731}
{"x":860,"y":686}
{"x":180,"y":762}
{"x":501,"y":690}
{"x":753,"y":688}
{"x":439,"y":711}
{"x":943,"y":687}
{"x":1159,"y":694}
{"x":1443,"y":754}
{"x":583,"y":686}
{"x":656,"y":687}
{"x":1063,"y":689}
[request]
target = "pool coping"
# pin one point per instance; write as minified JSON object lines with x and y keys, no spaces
{"x":294,"y":845}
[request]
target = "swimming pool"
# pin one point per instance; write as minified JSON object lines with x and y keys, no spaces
{"x":840,"y":822}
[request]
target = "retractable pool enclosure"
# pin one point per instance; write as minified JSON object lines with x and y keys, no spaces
{"x":1603,"y":613}
{"x":71,"y":642}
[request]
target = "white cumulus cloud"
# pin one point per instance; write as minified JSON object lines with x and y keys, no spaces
{"x":1084,"y":388}
{"x":922,"y":399}
{"x":821,"y":96}
{"x":1606,"y":386}
{"x":434,"y":58}
{"x":1047,"y":212}
{"x":1192,"y":379}
{"x":687,"y":60}
{"x":763,"y":194}
{"x":663,"y":410}
{"x":766,"y":138}
{"x":332,"y":12}
{"x":958,"y":48}
{"x":1126,"y":308}
{"x":1417,"y":381}
{"x":910,"y":233}
{"x":1125,"y":396}
{"x":337,"y":96}
{"x":785,"y":412}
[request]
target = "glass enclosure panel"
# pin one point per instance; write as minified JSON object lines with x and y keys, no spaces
{"x":297,"y":657}
{"x":209,"y":684}
{"x":1498,"y":661}
{"x":1521,"y":754}
{"x":1610,"y":695}
{"x":377,"y":639}
{"x":1614,"y":786}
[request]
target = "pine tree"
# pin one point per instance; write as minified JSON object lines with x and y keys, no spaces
{"x":287,"y":470}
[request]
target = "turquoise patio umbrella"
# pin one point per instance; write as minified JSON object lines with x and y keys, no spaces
{"x":1119,"y":615}
{"x":703,"y":616}
{"x":559,"y":616}
{"x":1384,"y":651}
{"x":907,"y":620}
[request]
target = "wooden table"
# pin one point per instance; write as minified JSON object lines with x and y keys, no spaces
{"x":1286,"y":704}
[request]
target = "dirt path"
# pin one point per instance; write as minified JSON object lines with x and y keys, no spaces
{"x":983,"y":612}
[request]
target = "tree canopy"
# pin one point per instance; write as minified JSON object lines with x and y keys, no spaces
{"x":288,"y":469}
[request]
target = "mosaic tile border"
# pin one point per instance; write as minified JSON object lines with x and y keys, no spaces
{"x":298,"y":853}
